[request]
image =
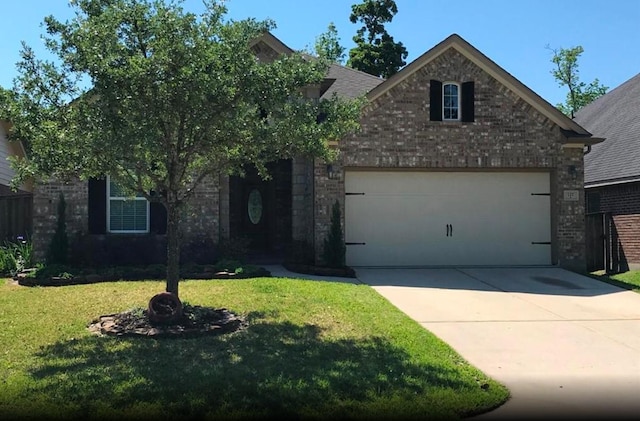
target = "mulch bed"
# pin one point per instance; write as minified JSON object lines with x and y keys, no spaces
{"x":195,"y":321}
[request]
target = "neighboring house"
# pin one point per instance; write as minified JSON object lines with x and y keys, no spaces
{"x":612,"y":176}
{"x":15,"y":205}
{"x":457,"y":163}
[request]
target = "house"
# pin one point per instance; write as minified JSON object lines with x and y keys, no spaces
{"x":612,"y":176}
{"x":457,"y":163}
{"x":15,"y":205}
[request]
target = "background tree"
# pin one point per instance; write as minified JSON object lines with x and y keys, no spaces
{"x":328,"y":45}
{"x":375,"y":52}
{"x":566,"y":74}
{"x":160,"y":99}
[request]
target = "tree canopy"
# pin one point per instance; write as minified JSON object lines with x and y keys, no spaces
{"x":375,"y":52}
{"x":328,"y":45}
{"x":160,"y":99}
{"x":566,"y":73}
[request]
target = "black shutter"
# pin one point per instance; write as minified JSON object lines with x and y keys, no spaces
{"x":468,"y":112}
{"x":157,"y":218}
{"x":97,"y":205}
{"x":435,"y":100}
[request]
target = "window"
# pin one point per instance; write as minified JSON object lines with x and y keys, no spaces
{"x":450,"y":101}
{"x":126,"y":214}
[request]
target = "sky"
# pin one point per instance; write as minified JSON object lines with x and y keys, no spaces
{"x":518,"y":35}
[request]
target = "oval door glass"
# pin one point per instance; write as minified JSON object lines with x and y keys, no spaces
{"x":254,"y":206}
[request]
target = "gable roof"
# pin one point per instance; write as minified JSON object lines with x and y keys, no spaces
{"x":349,"y":83}
{"x":616,"y":116}
{"x":572,"y":130}
{"x":343,"y":81}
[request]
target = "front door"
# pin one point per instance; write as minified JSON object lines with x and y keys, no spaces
{"x":260,"y":211}
{"x":255,"y":214}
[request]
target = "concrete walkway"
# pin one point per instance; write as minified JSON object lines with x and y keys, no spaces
{"x":565,"y":345}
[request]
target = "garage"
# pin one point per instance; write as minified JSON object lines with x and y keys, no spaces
{"x":420,"y":218}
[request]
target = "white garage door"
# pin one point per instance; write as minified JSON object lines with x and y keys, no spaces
{"x":447,"y":218}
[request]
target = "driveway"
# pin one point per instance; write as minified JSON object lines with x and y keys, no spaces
{"x":566,"y":345}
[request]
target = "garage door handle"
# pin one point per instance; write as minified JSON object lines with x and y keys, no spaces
{"x":449,"y":230}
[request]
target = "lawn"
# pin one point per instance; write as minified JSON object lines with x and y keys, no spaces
{"x":628,"y":280}
{"x":311,"y":350}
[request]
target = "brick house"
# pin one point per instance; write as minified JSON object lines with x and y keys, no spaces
{"x":612,"y":176}
{"x":457,"y":163}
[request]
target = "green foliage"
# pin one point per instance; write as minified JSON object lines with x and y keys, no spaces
{"x":334,"y":252}
{"x":375,"y":52}
{"x":160,"y":99}
{"x":59,"y":247}
{"x":566,"y":74}
{"x":328,"y":45}
{"x":15,"y":256}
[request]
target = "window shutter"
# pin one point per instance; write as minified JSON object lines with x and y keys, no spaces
{"x":435,"y":100}
{"x":97,"y":206}
{"x":157,"y":218}
{"x":467,"y":99}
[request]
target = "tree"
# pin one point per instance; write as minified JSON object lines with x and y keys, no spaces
{"x":566,"y":73}
{"x":328,"y":45}
{"x":160,"y":99}
{"x":334,"y":252}
{"x":375,"y":52}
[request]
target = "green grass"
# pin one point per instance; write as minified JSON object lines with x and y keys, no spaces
{"x":629,"y":280}
{"x":312,"y":350}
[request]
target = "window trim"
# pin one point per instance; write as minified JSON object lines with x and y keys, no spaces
{"x":459,"y":100}
{"x":110,"y":198}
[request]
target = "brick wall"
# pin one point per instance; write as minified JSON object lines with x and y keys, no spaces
{"x":507,"y":133}
{"x":623,"y":202}
{"x":45,"y":216}
{"x":201,"y":221}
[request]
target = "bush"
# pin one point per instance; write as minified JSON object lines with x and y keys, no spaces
{"x":15,"y":256}
{"x":59,"y":246}
{"x":334,"y":253}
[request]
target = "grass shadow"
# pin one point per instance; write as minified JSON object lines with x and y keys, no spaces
{"x":268,"y":369}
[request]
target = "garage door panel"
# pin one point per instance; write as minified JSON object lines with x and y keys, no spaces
{"x":401,"y":218}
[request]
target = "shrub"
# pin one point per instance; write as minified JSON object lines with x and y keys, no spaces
{"x":334,"y":253}
{"x":15,"y":256}
{"x":59,"y":246}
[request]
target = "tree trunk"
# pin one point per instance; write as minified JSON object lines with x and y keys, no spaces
{"x":173,"y":247}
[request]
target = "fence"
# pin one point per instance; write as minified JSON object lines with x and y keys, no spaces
{"x":604,"y":251}
{"x":16,"y":216}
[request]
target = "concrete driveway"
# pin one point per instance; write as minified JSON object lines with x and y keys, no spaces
{"x":566,"y":345}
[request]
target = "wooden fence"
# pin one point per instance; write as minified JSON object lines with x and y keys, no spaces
{"x":16,"y":216}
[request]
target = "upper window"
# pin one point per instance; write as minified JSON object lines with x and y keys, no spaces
{"x":450,"y":101}
{"x":126,"y":214}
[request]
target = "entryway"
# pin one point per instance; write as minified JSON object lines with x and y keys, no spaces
{"x":260,"y":211}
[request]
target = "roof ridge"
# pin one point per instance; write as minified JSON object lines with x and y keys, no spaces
{"x":351,"y":69}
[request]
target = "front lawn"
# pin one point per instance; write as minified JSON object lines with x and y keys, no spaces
{"x":311,"y":350}
{"x":628,"y":280}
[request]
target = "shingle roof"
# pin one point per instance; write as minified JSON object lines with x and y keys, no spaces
{"x":616,"y":117}
{"x":350,"y":83}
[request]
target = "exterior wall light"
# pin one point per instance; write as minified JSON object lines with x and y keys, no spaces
{"x":332,"y":174}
